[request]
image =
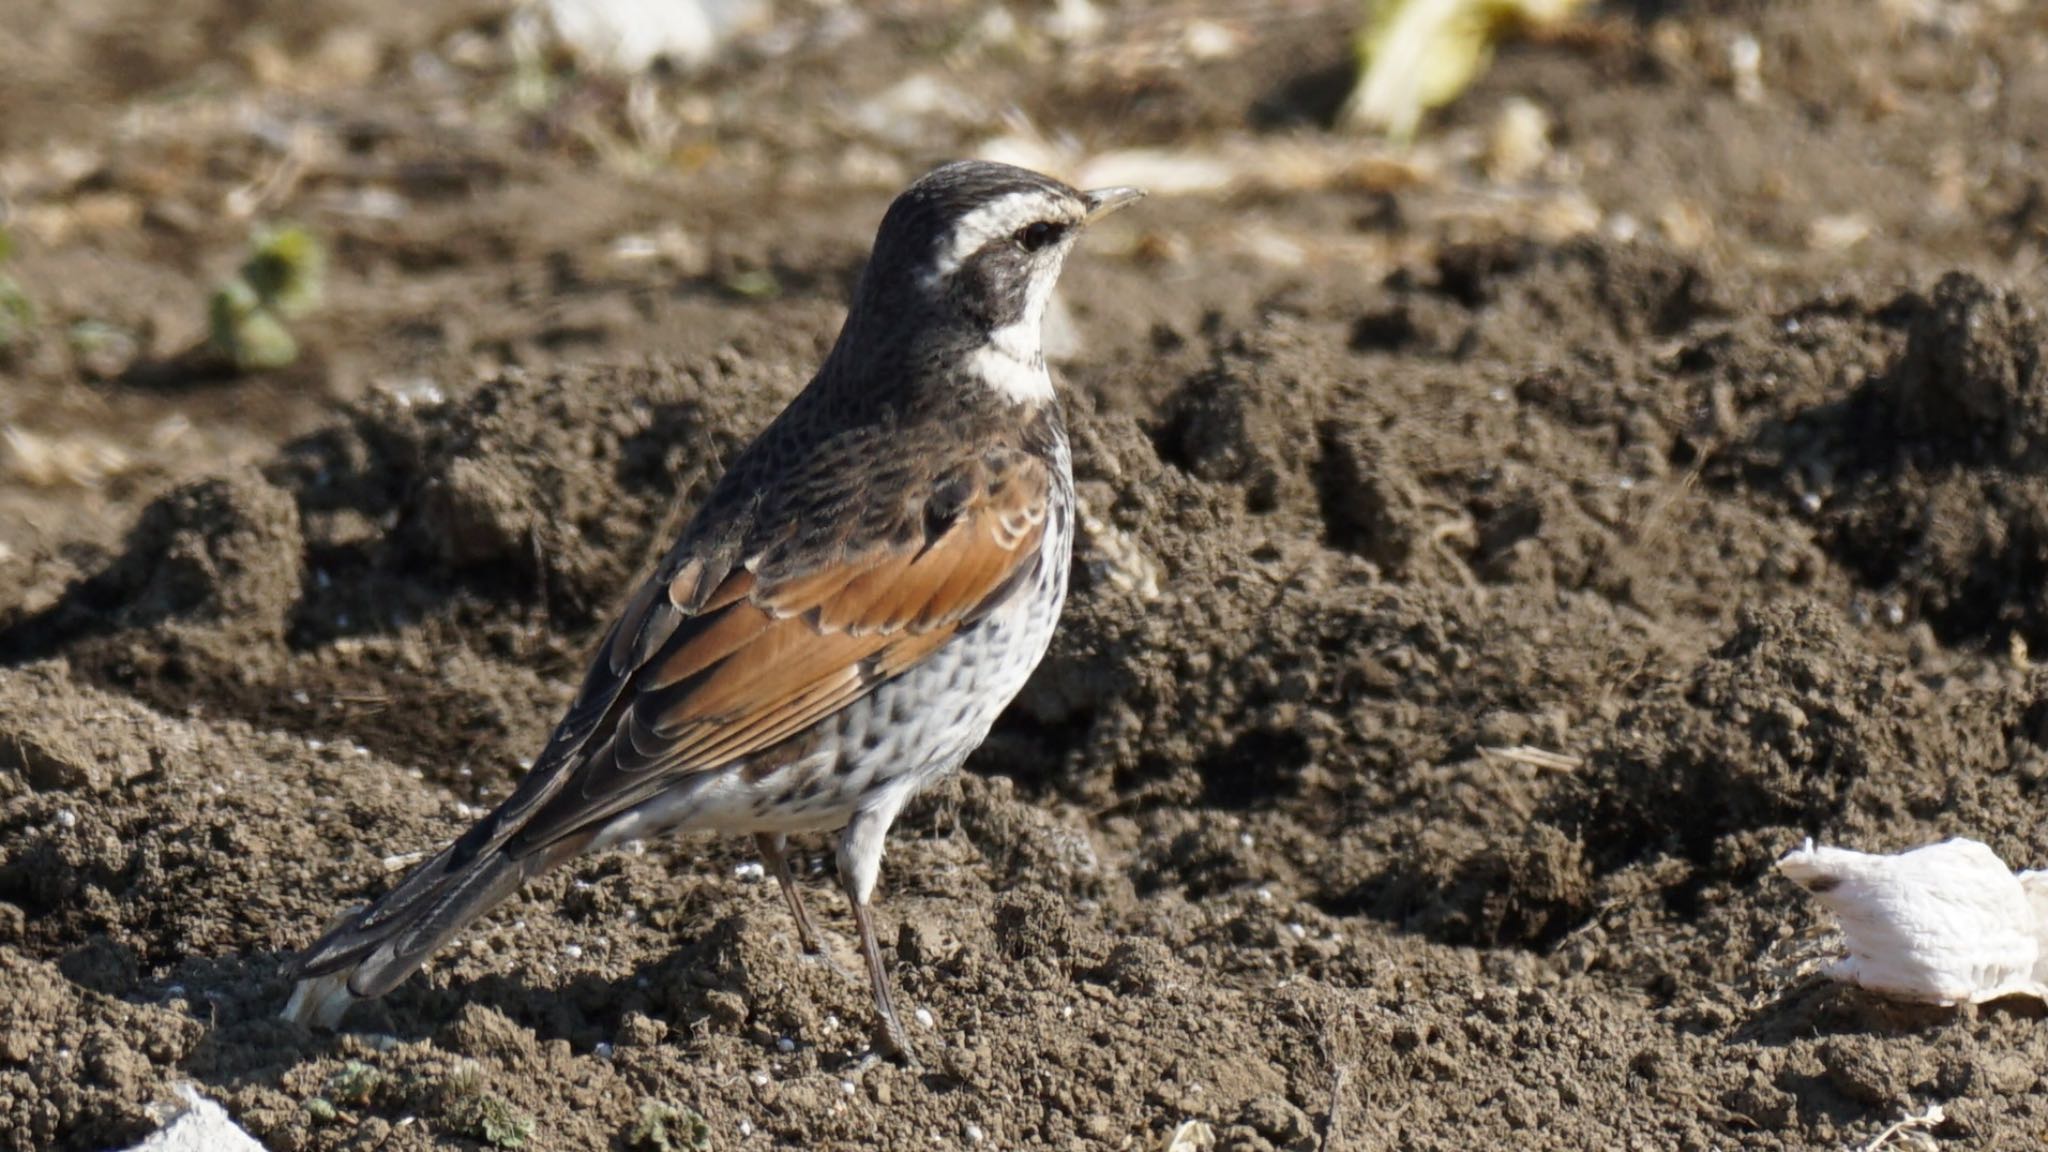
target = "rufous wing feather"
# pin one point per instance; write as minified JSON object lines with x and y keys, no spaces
{"x":764,"y":660}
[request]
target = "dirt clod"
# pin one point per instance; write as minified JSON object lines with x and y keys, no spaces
{"x":1973,"y":373}
{"x":1479,"y":585}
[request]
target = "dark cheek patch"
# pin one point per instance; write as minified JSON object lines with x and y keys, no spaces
{"x":994,"y":284}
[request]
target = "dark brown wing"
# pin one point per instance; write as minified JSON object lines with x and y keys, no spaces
{"x":707,"y":667}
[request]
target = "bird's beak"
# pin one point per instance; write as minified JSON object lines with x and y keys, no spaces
{"x":1103,"y":201}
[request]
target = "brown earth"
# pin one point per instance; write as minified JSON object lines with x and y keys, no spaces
{"x":1710,"y":458}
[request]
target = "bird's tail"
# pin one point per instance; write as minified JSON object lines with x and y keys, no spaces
{"x":374,"y":948}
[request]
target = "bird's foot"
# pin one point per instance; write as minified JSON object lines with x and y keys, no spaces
{"x":892,"y":1041}
{"x":822,"y":957}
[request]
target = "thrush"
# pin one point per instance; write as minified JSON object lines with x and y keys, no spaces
{"x":865,"y":589}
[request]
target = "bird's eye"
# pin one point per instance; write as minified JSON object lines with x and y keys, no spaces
{"x":1032,"y":237}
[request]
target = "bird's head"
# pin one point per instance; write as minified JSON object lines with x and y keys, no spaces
{"x":969,"y":255}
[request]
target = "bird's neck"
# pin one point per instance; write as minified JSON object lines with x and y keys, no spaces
{"x":1012,"y":364}
{"x":940,"y":361}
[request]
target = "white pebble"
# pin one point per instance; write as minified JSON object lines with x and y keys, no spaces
{"x":784,"y":1044}
{"x":66,"y":818}
{"x":313,"y":745}
{"x":975,"y":1135}
{"x":602,"y":1050}
{"x":1944,"y":924}
{"x":759,"y":1079}
{"x":1208,"y":40}
{"x":1298,"y":931}
{"x":1745,"y":67}
{"x":847,"y":1087}
{"x":746,"y":1127}
{"x":573,"y":951}
{"x":751,"y":872}
{"x":924,"y":1018}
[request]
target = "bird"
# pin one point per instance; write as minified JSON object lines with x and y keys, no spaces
{"x":864,"y":590}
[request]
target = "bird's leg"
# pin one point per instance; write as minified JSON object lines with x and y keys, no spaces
{"x":772,"y":845}
{"x":890,"y":1035}
{"x":860,"y":862}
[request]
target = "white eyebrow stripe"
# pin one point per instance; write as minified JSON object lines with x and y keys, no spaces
{"x":998,"y":217}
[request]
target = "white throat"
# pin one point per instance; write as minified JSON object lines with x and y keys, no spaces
{"x":1013,"y":360}
{"x":1013,"y":363}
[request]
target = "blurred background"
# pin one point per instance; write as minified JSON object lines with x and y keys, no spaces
{"x":478,"y":184}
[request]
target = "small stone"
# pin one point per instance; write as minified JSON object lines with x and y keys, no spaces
{"x":727,"y":1010}
{"x":1519,"y":142}
{"x":1278,"y":1120}
{"x":50,"y":768}
{"x":640,"y":1031}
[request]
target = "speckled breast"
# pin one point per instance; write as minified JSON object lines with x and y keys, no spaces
{"x":924,"y":723}
{"x":906,"y":732}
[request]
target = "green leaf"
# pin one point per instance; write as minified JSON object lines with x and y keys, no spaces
{"x":665,"y":1127}
{"x":286,"y":268}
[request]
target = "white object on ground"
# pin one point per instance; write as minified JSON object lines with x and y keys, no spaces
{"x":630,"y":35}
{"x":1945,"y":924}
{"x":201,"y":1126}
